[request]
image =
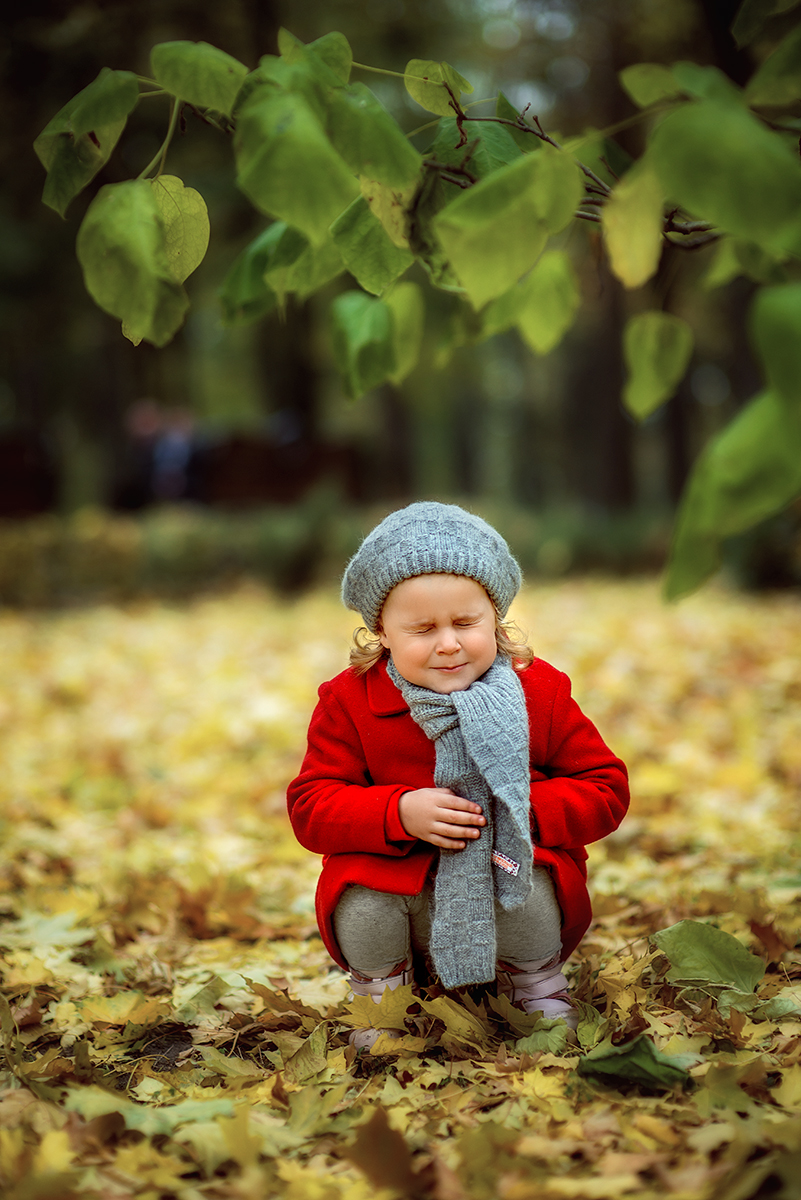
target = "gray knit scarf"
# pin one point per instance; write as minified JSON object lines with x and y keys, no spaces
{"x":482,"y":753}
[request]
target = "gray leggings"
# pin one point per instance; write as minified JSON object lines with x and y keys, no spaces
{"x":377,"y":931}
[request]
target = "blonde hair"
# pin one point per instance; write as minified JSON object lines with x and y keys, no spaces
{"x":367,"y":651}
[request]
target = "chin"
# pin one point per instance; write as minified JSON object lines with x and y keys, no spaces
{"x":446,"y":686}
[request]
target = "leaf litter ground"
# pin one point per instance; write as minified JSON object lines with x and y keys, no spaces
{"x":172,"y":1026}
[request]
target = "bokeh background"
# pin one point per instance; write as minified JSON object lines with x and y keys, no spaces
{"x":234,"y":449}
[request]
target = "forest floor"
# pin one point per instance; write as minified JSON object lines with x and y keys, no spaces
{"x":172,"y":1026}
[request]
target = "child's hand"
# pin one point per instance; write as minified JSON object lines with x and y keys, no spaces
{"x":439,"y":816}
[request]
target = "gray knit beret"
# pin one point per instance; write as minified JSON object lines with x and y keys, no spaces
{"x":425,"y":539}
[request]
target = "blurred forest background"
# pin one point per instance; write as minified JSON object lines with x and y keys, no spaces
{"x":234,"y":446}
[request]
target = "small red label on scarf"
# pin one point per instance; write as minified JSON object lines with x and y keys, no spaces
{"x":506,"y":863}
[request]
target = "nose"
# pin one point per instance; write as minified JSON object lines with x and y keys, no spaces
{"x":448,"y":642}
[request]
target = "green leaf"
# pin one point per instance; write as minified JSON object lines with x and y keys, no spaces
{"x":656,"y":347}
{"x":186,"y":224}
{"x":35,"y":931}
{"x":427,"y":82}
{"x":778,"y":80}
{"x":549,"y":300}
{"x":637,"y":1061}
{"x":332,"y":49}
{"x":405,"y":302}
{"x":632,"y":223}
{"x":719,"y":162}
{"x":362,"y":338}
{"x":122,"y":250}
{"x":735,"y":256}
{"x":776,"y":330}
{"x":492,"y":148}
{"x":524,"y":141}
{"x":369,"y":140}
{"x":706,"y":83}
{"x":366,"y":249}
{"x":549,"y":1037}
{"x":745,"y":1002}
{"x":749,"y":471}
{"x":82,"y":135}
{"x":93,"y":1101}
{"x":752,"y":15}
{"x":542,"y":305}
{"x":699,"y":952}
{"x":198,"y":73}
{"x":307,"y":273}
{"x":495,"y":231}
{"x":245,"y":295}
{"x":229,"y":1065}
{"x":648,"y":83}
{"x":202,"y":1003}
{"x":303,"y":75}
{"x":288,"y":167}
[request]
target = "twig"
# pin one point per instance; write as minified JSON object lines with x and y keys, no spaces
{"x":458,"y":175}
{"x":614,"y":174}
{"x":597,"y":190}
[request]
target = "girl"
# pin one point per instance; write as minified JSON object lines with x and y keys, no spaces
{"x":450,"y":780}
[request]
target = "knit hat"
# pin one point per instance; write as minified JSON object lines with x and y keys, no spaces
{"x":428,"y":538}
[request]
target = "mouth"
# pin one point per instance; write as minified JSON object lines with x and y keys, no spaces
{"x":452,"y":668}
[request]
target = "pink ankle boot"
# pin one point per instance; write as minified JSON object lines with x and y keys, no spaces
{"x":367,"y":1038}
{"x":539,"y":986}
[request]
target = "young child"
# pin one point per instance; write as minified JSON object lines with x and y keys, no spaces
{"x":450,"y":780}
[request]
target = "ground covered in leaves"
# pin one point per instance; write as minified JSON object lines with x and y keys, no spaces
{"x":171,"y":1025}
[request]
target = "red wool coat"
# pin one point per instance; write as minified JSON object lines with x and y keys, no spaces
{"x":365,"y":751}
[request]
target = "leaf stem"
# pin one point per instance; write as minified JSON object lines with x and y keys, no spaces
{"x":161,"y":154}
{"x":380,"y":70}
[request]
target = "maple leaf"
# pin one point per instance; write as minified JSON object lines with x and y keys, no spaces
{"x":389,"y":1012}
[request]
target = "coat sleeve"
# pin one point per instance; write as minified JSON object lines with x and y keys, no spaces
{"x":334,"y":806}
{"x":579,"y":788}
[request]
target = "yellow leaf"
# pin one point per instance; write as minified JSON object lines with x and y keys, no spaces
{"x":12,"y":1150}
{"x":391,"y":206}
{"x":147,"y":1165}
{"x":459,"y":1023}
{"x":242,"y":1145}
{"x":654,"y":1127}
{"x":788,"y":1092}
{"x":390,"y":1012}
{"x":310,"y":1059}
{"x":53,"y":1154}
{"x":23,"y":969}
{"x":632,"y":225}
{"x":124,"y":1008}
{"x":407,"y":1044}
{"x":186,"y":224}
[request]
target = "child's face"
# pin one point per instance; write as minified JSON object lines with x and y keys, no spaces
{"x":440,"y":630}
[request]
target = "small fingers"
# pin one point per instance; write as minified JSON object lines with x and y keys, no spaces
{"x":446,"y":843}
{"x":458,"y":803}
{"x":455,"y":833}
{"x":455,"y":816}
